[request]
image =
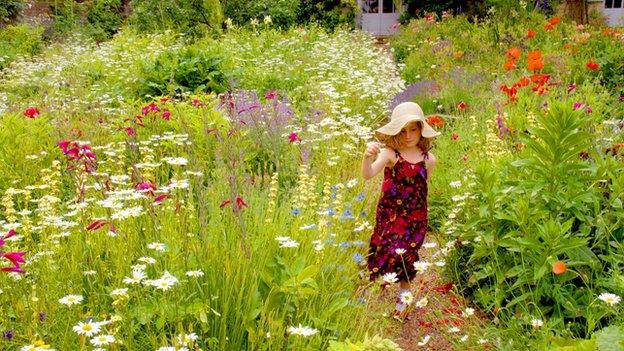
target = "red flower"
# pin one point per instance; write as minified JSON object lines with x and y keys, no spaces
{"x":160,"y":198}
{"x":150,"y":107}
{"x":531,"y":34}
{"x":31,"y":112}
{"x":559,"y":268}
{"x":443,"y":288}
{"x":454,"y":136}
{"x":554,"y":21}
{"x":509,"y":65}
{"x":95,"y":225}
{"x":240,"y":202}
{"x":593,"y":65}
{"x":462,"y":105}
{"x":293,"y":137}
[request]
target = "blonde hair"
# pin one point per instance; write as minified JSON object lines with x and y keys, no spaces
{"x":394,"y":141}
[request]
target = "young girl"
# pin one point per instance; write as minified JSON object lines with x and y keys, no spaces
{"x":401,"y":217}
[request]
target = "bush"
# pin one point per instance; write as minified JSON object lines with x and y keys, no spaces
{"x":104,"y":18}
{"x":9,"y":9}
{"x":187,"y":70}
{"x":19,"y":40}
{"x":193,"y":17}
{"x":328,"y":13}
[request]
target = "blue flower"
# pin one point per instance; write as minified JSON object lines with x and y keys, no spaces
{"x":348,"y":215}
{"x":359,"y":197}
{"x":358,"y":258}
{"x":344,"y":244}
{"x":331,"y":212}
{"x":363,"y":214}
{"x":295,"y":211}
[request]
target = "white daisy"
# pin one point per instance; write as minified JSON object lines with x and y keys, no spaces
{"x":400,"y":251}
{"x":421,"y":266}
{"x":119,"y":292}
{"x":468,"y":312}
{"x":407,"y":297}
{"x":156,"y":246}
{"x":610,"y":299}
{"x":430,"y":245}
{"x":102,"y":340}
{"x":390,"y":278}
{"x":88,"y":328}
{"x":186,"y":339}
{"x":303,"y":331}
{"x":71,"y":300}
{"x":453,"y":330}
{"x":422,"y":302}
{"x":536,"y":323}
{"x":137,"y":277}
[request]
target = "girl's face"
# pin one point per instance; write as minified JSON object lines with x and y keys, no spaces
{"x":410,"y":134}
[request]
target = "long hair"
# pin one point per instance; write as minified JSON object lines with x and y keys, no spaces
{"x":395,"y":142}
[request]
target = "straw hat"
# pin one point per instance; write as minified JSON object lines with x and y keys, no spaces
{"x":403,"y":114}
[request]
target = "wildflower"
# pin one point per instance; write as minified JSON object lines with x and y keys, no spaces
{"x":576,"y":105}
{"x":195,"y":274}
{"x":464,"y":338}
{"x":71,"y":300}
{"x":455,"y":184}
{"x":592,"y":65}
{"x":430,"y":245}
{"x":254,"y":22}
{"x":137,"y":277}
{"x":351,"y":183}
{"x":228,"y":23}
{"x":436,"y":120}
{"x":289,"y":244}
{"x":292,"y":137}
{"x":531,"y":34}
{"x":407,"y":297}
{"x":468,"y":312}
{"x":513,"y":53}
{"x":89,"y":328}
{"x":462,"y":105}
{"x":119,"y":292}
{"x":267,"y":20}
{"x":31,"y":112}
{"x":166,"y":115}
{"x":270,"y":95}
{"x":358,"y":258}
{"x":424,"y":340}
{"x":390,"y":278}
{"x":453,"y":330}
{"x":303,"y":331}
{"x":400,"y":251}
{"x":147,"y":260}
{"x":454,"y":136}
{"x":101,"y":340}
{"x":156,"y":246}
{"x":535,"y":62}
{"x":8,"y":335}
{"x":536,"y":323}
{"x":97,"y":224}
{"x":176,"y":161}
{"x":422,"y":303}
{"x":421,"y":266}
{"x":610,"y":299}
{"x":559,"y":268}
{"x":185,"y":339}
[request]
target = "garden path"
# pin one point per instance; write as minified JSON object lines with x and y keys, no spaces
{"x":445,"y":311}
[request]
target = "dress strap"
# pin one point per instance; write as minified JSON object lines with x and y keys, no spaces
{"x":398,"y":154}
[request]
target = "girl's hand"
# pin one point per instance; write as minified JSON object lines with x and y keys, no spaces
{"x":372,"y":150}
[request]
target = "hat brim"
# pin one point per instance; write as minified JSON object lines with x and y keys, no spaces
{"x":394,"y":127}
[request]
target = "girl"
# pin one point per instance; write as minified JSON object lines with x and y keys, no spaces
{"x":401,"y":217}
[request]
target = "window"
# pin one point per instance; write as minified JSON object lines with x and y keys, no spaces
{"x":608,"y":4}
{"x":370,"y":6}
{"x":617,"y":4}
{"x":388,"y":6}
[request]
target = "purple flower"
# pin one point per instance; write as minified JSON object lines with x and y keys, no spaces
{"x":588,"y":109}
{"x":8,"y":335}
{"x":622,"y":98}
{"x":42,"y":316}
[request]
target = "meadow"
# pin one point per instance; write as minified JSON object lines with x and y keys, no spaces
{"x":166,"y":193}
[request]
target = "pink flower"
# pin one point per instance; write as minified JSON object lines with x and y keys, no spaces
{"x":576,"y":105}
{"x":15,"y":257}
{"x":293,"y":137}
{"x":147,"y":185}
{"x":150,"y":107}
{"x":6,"y":236}
{"x":130,"y":131}
{"x":160,"y":198}
{"x":166,"y":115}
{"x":31,"y":112}
{"x":196,"y":103}
{"x":270,"y":95}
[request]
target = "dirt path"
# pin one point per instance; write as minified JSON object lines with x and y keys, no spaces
{"x":446,"y":322}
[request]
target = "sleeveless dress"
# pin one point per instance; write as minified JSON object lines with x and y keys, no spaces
{"x":401,"y":220}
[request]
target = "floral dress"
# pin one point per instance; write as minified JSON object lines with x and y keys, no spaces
{"x":401,"y":220}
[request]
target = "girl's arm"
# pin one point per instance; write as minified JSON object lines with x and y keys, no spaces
{"x":371,"y":165}
{"x":430,"y":163}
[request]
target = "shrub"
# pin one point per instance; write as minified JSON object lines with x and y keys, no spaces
{"x":189,"y":69}
{"x":104,"y":18}
{"x":9,"y":9}
{"x":19,"y":40}
{"x":193,"y":17}
{"x":328,"y":13}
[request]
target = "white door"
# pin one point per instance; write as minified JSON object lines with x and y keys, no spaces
{"x":379,"y":17}
{"x":614,"y":10}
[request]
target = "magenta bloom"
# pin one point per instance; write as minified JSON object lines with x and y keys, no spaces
{"x":147,"y":185}
{"x":577,"y":105}
{"x":130,"y":131}
{"x":166,"y":115}
{"x":149,"y":108}
{"x":16,"y":258}
{"x":293,"y":137}
{"x":270,"y":95}
{"x":95,"y":225}
{"x":6,"y":236}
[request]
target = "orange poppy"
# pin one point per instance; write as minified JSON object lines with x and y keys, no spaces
{"x":509,"y":65}
{"x":554,"y":21}
{"x":549,"y":27}
{"x":559,"y":268}
{"x":513,"y":53}
{"x":535,"y":55}
{"x":535,"y":65}
{"x":531,"y":34}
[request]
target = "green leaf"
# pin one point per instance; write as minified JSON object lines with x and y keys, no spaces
{"x":610,"y":339}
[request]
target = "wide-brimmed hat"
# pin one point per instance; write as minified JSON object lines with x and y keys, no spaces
{"x":403,"y":114}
